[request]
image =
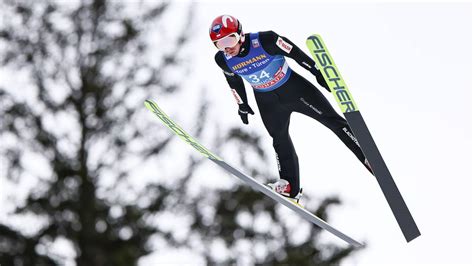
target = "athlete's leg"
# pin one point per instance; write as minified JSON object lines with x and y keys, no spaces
{"x":276,"y":119}
{"x":310,"y":101}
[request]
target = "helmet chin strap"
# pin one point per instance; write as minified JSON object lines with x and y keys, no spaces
{"x":241,"y":41}
{"x":242,"y":37}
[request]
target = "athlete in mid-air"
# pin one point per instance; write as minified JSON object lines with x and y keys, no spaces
{"x":259,"y":58}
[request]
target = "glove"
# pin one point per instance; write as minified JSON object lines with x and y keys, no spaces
{"x":244,"y":110}
{"x":320,"y":79}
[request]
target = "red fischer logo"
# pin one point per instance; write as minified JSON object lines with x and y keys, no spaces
{"x":279,"y":75}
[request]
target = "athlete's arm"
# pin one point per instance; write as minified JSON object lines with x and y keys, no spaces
{"x":237,"y":87}
{"x":235,"y":81}
{"x":276,"y":44}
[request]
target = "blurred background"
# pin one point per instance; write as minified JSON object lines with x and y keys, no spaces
{"x":89,"y":177}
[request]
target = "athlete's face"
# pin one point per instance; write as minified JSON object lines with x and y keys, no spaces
{"x":233,"y":51}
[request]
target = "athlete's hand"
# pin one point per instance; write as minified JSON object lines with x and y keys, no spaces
{"x":321,"y":81}
{"x":244,"y":110}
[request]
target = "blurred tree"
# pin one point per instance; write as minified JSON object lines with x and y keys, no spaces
{"x":90,"y":70}
{"x":88,"y":67}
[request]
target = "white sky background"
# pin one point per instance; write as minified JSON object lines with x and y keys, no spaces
{"x":409,"y":69}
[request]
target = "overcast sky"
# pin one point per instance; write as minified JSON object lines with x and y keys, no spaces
{"x":409,"y":69}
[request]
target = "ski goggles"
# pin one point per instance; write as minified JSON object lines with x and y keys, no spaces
{"x":228,"y":41}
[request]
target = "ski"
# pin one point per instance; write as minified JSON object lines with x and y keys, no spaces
{"x":346,"y":102}
{"x":153,"y":107}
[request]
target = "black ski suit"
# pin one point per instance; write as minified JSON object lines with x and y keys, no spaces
{"x":295,"y":95}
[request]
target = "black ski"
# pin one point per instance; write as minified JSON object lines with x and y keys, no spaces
{"x":346,"y":102}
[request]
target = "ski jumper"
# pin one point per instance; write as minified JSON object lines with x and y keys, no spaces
{"x":279,"y":91}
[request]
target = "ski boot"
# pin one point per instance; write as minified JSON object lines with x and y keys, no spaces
{"x":283,"y":188}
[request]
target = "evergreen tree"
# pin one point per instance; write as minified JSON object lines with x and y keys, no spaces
{"x":90,"y":70}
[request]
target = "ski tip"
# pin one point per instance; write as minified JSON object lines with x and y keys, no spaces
{"x":312,"y":36}
{"x":149,"y":104}
{"x":148,"y":101}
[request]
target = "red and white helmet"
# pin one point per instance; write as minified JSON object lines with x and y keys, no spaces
{"x":225,"y":31}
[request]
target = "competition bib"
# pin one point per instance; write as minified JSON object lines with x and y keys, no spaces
{"x":264,"y":72}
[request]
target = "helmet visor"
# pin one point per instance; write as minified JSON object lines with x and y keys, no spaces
{"x":228,"y":41}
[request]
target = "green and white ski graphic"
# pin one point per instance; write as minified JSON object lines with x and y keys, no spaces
{"x":339,"y":89}
{"x":153,"y":107}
